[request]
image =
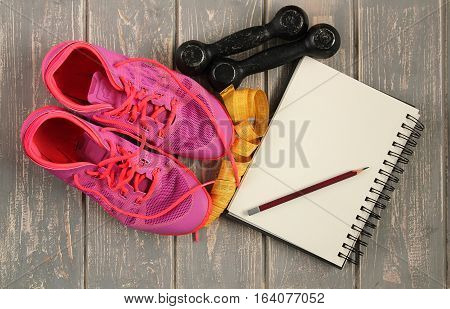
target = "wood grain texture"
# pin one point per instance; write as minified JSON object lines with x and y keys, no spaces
{"x":288,"y":267}
{"x":41,"y":219}
{"x":118,"y":257}
{"x":446,"y":25}
{"x":228,"y":255}
{"x":400,"y":48}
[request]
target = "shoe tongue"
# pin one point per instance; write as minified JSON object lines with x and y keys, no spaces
{"x":89,"y":151}
{"x":101,"y":91}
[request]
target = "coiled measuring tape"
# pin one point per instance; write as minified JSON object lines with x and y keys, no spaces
{"x":249,"y":111}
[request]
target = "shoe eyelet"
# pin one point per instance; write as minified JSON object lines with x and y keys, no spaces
{"x":144,"y":128}
{"x":143,"y":162}
{"x":129,"y":120}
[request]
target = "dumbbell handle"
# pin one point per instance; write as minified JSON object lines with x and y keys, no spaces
{"x":271,"y":58}
{"x":242,"y":40}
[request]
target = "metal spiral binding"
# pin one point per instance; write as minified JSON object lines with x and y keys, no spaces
{"x":399,"y":151}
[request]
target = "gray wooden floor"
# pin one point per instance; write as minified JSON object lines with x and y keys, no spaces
{"x":51,"y":236}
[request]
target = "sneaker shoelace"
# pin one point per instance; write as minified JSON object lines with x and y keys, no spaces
{"x":126,"y":171}
{"x":138,"y":111}
{"x":143,"y":99}
{"x":120,"y":169}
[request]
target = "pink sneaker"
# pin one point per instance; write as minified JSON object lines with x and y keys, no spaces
{"x":139,"y":96}
{"x":143,"y":190}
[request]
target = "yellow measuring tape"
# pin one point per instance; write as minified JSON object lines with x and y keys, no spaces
{"x":249,"y":110}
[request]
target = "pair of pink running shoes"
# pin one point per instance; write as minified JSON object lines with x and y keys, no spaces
{"x":163,"y":110}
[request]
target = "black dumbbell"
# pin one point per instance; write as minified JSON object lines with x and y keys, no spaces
{"x":193,"y":57}
{"x":322,"y":41}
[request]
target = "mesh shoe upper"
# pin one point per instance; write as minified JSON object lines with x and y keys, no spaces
{"x":144,"y":190}
{"x":139,"y":96}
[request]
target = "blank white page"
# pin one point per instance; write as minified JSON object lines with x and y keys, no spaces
{"x":347,"y":125}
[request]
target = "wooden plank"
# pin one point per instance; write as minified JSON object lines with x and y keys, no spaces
{"x":118,"y":256}
{"x":401,"y":53}
{"x":288,"y":267}
{"x":228,"y":255}
{"x":41,"y":219}
{"x":446,"y":25}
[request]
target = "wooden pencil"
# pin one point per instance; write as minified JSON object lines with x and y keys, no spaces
{"x":305,"y":191}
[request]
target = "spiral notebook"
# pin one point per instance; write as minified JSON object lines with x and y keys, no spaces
{"x":326,"y":124}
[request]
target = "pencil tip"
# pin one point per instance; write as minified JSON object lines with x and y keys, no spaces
{"x":361,"y":170}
